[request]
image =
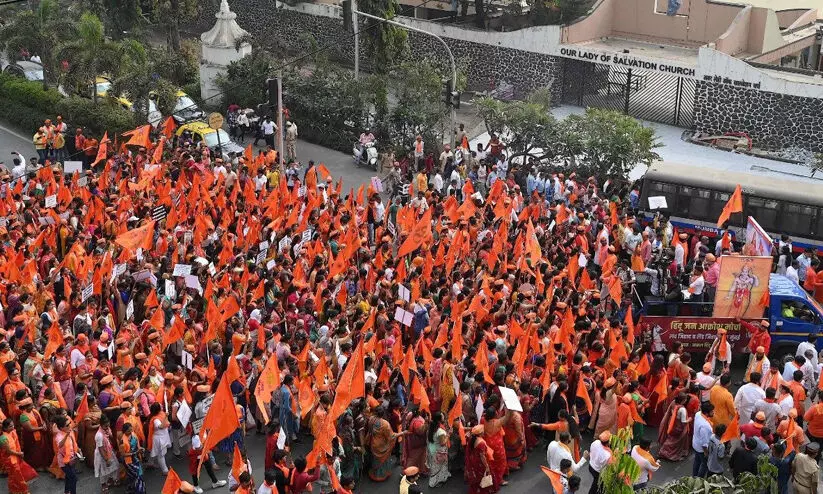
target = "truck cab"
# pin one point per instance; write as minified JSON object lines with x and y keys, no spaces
{"x":793,"y":315}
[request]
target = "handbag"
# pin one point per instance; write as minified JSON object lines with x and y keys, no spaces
{"x":486,"y":481}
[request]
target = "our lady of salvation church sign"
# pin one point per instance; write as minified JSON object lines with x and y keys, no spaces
{"x":626,"y":61}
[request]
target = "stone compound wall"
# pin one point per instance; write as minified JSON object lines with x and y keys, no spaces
{"x":486,"y":64}
{"x":773,"y":120}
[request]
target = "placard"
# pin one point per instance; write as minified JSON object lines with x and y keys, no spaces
{"x":404,"y":293}
{"x":120,"y":269}
{"x":145,"y":274}
{"x":51,"y":201}
{"x":658,"y":202}
{"x":270,"y":264}
{"x":281,"y":438}
{"x":83,"y":181}
{"x":69,"y":167}
{"x":284,"y":243}
{"x":187,"y":360}
{"x":264,"y":245}
{"x":301,"y":192}
{"x":403,"y":316}
{"x":306,"y":235}
{"x":169,"y":290}
{"x":139,"y":254}
{"x":478,"y":408}
{"x":46,"y":220}
{"x":87,"y":292}
{"x":130,"y":309}
{"x":184,"y":414}
{"x":377,"y":184}
{"x":392,"y":229}
{"x":181,"y":269}
{"x":510,"y":399}
{"x":261,"y":256}
{"x":193,"y":281}
{"x":158,"y":213}
{"x":110,"y":349}
{"x":197,"y":425}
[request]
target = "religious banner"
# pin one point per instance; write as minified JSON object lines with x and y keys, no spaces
{"x":695,"y":333}
{"x":758,"y":242}
{"x":742,"y":286}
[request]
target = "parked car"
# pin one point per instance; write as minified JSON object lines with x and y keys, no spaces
{"x":185,"y":109}
{"x":217,"y":140}
{"x":31,"y":71}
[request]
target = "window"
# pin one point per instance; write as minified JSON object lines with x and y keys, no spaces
{"x":765,"y":211}
{"x":797,"y":219}
{"x":694,"y":203}
{"x":668,"y":191}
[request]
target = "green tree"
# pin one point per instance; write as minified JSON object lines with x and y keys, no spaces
{"x":607,"y":143}
{"x":122,"y":18}
{"x":387,"y":44}
{"x":526,"y":127}
{"x":764,"y":482}
{"x":171,"y":14}
{"x":88,"y":55}
{"x":39,"y":32}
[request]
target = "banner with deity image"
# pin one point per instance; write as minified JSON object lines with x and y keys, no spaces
{"x":742,"y":287}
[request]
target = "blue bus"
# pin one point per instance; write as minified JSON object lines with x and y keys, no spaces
{"x":695,"y":196}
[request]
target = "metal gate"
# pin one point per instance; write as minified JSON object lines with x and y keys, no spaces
{"x":640,"y":93}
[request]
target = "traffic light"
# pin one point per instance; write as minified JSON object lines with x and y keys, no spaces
{"x":271,"y":91}
{"x":347,"y":16}
{"x":446,"y":92}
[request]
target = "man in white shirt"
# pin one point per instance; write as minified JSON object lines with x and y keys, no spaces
{"x":700,"y":439}
{"x":561,"y":449}
{"x":599,"y":456}
{"x":268,"y":486}
{"x":747,"y":396}
{"x":697,"y":284}
{"x":792,"y":272}
{"x":269,"y":128}
{"x":644,"y":459}
{"x":379,"y":209}
{"x":219,"y":169}
{"x":809,"y":344}
{"x":679,"y":251}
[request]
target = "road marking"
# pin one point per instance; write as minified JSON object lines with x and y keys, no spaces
{"x":14,"y":133}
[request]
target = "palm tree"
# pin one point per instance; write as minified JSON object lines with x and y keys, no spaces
{"x":39,"y":32}
{"x":89,"y":55}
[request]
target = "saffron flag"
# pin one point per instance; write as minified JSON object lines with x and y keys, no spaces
{"x":140,"y":237}
{"x":172,"y":484}
{"x":221,"y":420}
{"x":139,"y":136}
{"x":554,"y":478}
{"x":351,"y":385}
{"x":102,"y":150}
{"x":169,"y":127}
{"x":735,"y":205}
{"x":732,"y":431}
{"x":421,"y":232}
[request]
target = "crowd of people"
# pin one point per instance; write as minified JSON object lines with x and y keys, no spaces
{"x":165,"y":300}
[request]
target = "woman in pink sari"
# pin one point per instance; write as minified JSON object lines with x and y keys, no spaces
{"x":493,"y":435}
{"x":674,"y":436}
{"x":415,"y":445}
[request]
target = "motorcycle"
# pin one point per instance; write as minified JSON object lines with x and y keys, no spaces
{"x":365,"y":156}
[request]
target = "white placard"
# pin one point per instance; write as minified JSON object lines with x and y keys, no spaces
{"x":120,"y":269}
{"x":181,"y":269}
{"x":261,"y":256}
{"x":478,"y":408}
{"x":83,"y":181}
{"x":510,"y":399}
{"x":88,"y":290}
{"x":130,"y":309}
{"x":197,"y":425}
{"x":404,"y":293}
{"x":69,"y":167}
{"x":281,"y":438}
{"x":377,"y":184}
{"x":193,"y":281}
{"x":284,"y":243}
{"x":658,"y":202}
{"x":51,"y":201}
{"x":212,"y":269}
{"x":551,"y":226}
{"x":263,"y":245}
{"x":392,"y":229}
{"x":111,"y":349}
{"x":184,"y":414}
{"x":301,"y":192}
{"x":46,"y":220}
{"x":306,"y":235}
{"x":201,"y":261}
{"x":169,"y":290}
{"x":270,"y":264}
{"x":139,"y":254}
{"x":403,"y":316}
{"x":187,"y":360}
{"x":145,"y":274}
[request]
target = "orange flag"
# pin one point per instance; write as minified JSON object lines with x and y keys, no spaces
{"x":221,"y":420}
{"x":238,"y":466}
{"x":139,"y":136}
{"x":418,"y":235}
{"x":351,"y":384}
{"x":583,"y":394}
{"x":151,"y":301}
{"x":140,"y":237}
{"x":554,"y":478}
{"x":418,"y":394}
{"x":732,"y":431}
{"x":408,"y":364}
{"x":629,"y":320}
{"x":102,"y":150}
{"x":456,"y":412}
{"x":173,"y":483}
{"x":735,"y":205}
{"x":586,"y":282}
{"x":178,"y":329}
{"x":267,"y":384}
{"x":55,"y":340}
{"x":532,"y":244}
{"x":615,"y":289}
{"x":82,"y":409}
{"x":662,"y":389}
{"x":169,"y":126}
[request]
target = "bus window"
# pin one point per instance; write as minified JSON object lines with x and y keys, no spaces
{"x":763,"y":210}
{"x":818,"y":229}
{"x":797,"y":219}
{"x":668,"y":191}
{"x":698,"y":201}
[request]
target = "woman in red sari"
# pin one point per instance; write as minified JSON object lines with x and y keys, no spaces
{"x":493,"y":435}
{"x":478,"y":462}
{"x":514,"y":440}
{"x":11,"y":458}
{"x":414,"y":445}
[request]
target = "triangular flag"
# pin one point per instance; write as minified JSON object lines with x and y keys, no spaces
{"x":172,"y":484}
{"x":734,"y":205}
{"x":554,"y":478}
{"x":82,"y":409}
{"x":732,"y":430}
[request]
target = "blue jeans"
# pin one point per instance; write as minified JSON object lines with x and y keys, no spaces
{"x":700,"y":467}
{"x":71,"y":479}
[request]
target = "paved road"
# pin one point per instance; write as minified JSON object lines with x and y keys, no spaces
{"x":13,"y":140}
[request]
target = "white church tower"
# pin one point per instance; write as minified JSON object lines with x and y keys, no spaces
{"x":219,"y":49}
